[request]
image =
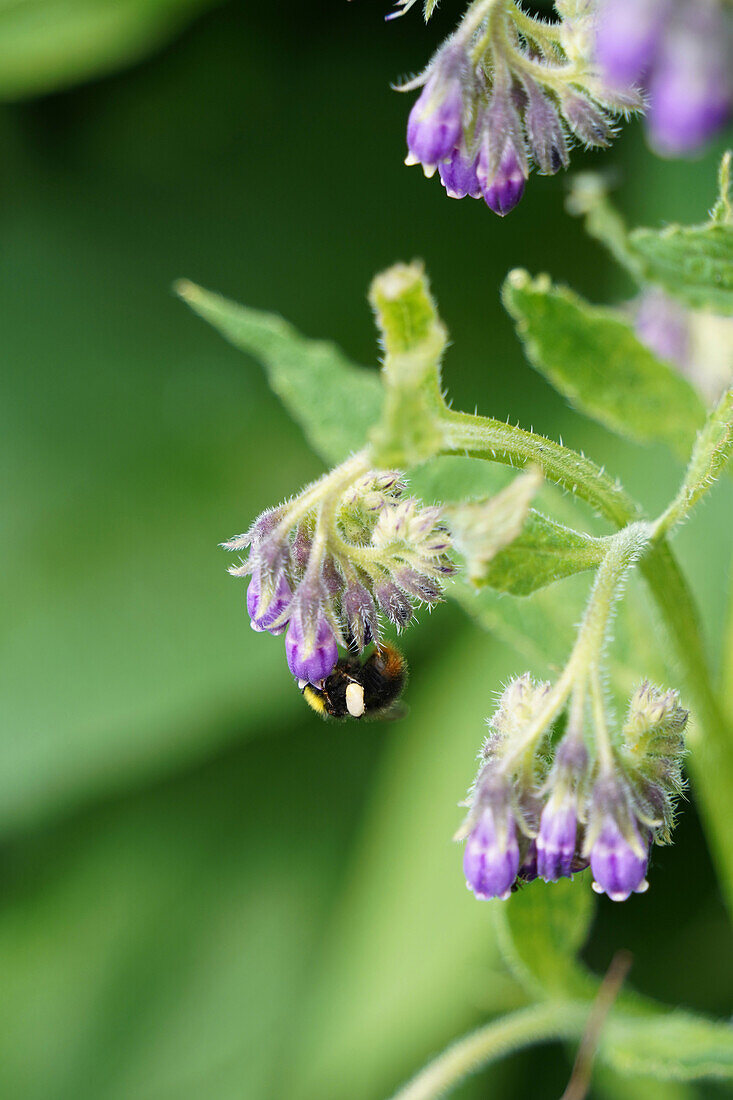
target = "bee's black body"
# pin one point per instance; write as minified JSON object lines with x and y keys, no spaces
{"x":376,"y":682}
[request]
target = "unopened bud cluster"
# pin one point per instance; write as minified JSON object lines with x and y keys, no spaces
{"x":550,"y":813}
{"x":507,"y":91}
{"x":680,"y":52}
{"x":326,"y":565}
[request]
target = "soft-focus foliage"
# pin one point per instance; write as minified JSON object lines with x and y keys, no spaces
{"x":205,"y":890}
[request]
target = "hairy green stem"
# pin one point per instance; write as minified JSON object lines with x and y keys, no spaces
{"x":541,"y":1023}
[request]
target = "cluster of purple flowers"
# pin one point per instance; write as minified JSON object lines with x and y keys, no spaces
{"x":501,"y":95}
{"x":324,"y":573}
{"x":575,"y":810}
{"x":680,"y":52}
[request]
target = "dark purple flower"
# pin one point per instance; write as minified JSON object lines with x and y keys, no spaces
{"x":458,"y":176}
{"x":263,"y":614}
{"x":556,"y":839}
{"x":311,"y":651}
{"x":691,"y":85}
{"x":503,"y":190}
{"x":491,"y":857}
{"x":435,"y":125}
{"x":528,"y":867}
{"x":618,"y":868}
{"x":627,"y":37}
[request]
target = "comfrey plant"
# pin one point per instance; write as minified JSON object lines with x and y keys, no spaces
{"x":563,"y":784}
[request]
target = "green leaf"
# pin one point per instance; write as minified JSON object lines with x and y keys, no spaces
{"x":593,"y":357}
{"x":544,"y":552}
{"x":675,"y":1046}
{"x":693,"y":264}
{"x":541,"y":930}
{"x":334,"y":402}
{"x":49,"y":44}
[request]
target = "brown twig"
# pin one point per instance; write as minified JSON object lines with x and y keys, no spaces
{"x":610,"y":987}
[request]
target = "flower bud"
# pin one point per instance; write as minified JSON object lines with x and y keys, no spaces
{"x":617,"y":845}
{"x":311,"y":652}
{"x":435,"y":125}
{"x":587,"y":120}
{"x":544,"y":131}
{"x":267,"y":614}
{"x":618,"y":869}
{"x":491,"y":857}
{"x":458,"y":176}
{"x":557,"y":838}
{"x":503,"y":190}
{"x":393,"y":603}
{"x":418,"y":585}
{"x":357,"y":607}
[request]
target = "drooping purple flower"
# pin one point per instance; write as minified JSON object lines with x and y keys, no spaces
{"x":503,"y":190}
{"x":691,"y":85}
{"x":458,"y":176}
{"x":264,"y":614}
{"x":618,"y":867}
{"x":435,"y":125}
{"x":491,"y":857}
{"x":310,"y":649}
{"x":556,"y":840}
{"x":627,"y":37}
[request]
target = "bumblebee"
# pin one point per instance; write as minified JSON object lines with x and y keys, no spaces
{"x":356,"y":689}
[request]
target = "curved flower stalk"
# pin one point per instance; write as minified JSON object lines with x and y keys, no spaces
{"x":327,"y":564}
{"x":507,"y":92}
{"x":540,"y":810}
{"x":679,"y":51}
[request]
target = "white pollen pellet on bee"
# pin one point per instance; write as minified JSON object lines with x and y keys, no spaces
{"x":355,"y":700}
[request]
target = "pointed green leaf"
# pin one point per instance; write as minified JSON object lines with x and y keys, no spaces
{"x":544,"y":551}
{"x":334,"y":402}
{"x":593,"y":357}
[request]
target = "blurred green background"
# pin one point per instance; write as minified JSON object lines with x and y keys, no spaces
{"x":205,"y":891}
